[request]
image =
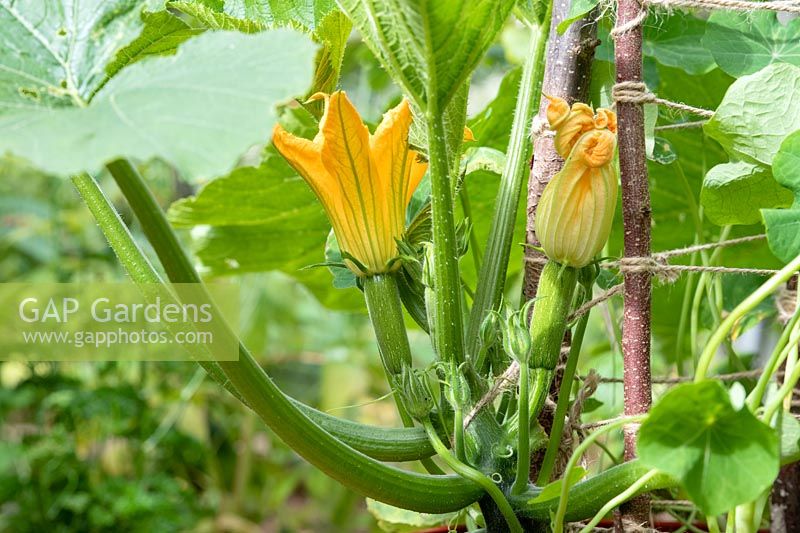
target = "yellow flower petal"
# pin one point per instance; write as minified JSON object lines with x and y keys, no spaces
{"x":361,"y":192}
{"x":393,"y":160}
{"x":364,"y":181}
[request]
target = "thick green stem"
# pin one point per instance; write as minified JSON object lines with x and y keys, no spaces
{"x":448,"y":333}
{"x":353,"y":469}
{"x":749,"y":303}
{"x":492,"y":277}
{"x":475,"y":476}
{"x":524,"y":443}
{"x":563,"y":402}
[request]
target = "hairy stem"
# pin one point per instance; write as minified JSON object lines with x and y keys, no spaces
{"x":448,"y":334}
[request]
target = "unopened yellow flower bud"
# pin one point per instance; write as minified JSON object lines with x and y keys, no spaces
{"x":573,"y":219}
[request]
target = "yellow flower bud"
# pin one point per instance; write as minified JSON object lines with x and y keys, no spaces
{"x":573,"y":219}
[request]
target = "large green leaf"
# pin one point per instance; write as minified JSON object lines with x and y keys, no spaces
{"x":735,"y":193}
{"x":757,"y":113}
{"x":675,"y":42}
{"x":163,"y":32}
{"x":783,"y":225}
{"x":259,"y":219}
{"x":429,"y":45}
{"x":199,"y":109}
{"x":53,"y":53}
{"x":320,"y":18}
{"x":306,"y":14}
{"x":722,"y":457}
{"x":743,"y":43}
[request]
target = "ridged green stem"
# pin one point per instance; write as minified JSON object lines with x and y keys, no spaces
{"x":386,"y":315}
{"x":492,"y":276}
{"x":434,"y":494}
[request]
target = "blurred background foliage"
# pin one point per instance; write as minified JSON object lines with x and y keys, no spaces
{"x":158,"y":447}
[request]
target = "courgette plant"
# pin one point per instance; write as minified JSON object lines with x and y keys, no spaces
{"x":197,"y":82}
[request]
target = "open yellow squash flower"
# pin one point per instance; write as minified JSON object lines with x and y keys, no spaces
{"x":363,"y":180}
{"x":573,"y":219}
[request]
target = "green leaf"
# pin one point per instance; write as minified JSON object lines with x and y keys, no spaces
{"x":260,"y":219}
{"x":429,"y":45}
{"x":215,"y":19}
{"x":577,"y":10}
{"x":395,"y":520}
{"x":483,"y":158}
{"x":163,"y":32}
{"x":790,"y":438}
{"x":748,"y":123}
{"x":674,"y":41}
{"x":454,"y":118}
{"x":320,"y":18}
{"x":332,"y":33}
{"x":734,"y":193}
{"x":306,"y":14}
{"x":721,"y":456}
{"x":40,"y":64}
{"x":743,"y":43}
{"x":492,"y":126}
{"x":783,"y":225}
{"x":199,"y":109}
